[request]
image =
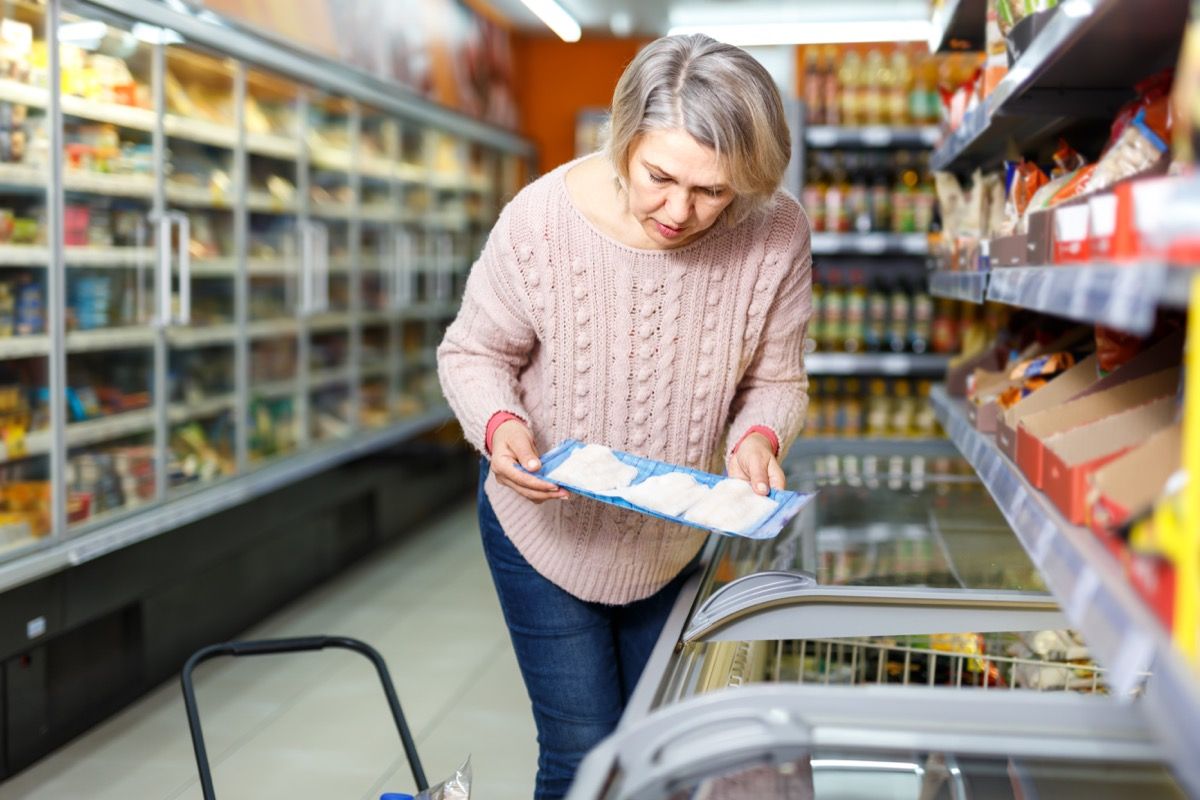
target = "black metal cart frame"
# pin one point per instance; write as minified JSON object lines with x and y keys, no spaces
{"x":279,"y":646}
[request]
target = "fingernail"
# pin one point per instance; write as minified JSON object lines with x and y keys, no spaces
{"x":532,"y":463}
{"x":762,"y":487}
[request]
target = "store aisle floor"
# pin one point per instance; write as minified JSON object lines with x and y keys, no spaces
{"x":316,"y":725}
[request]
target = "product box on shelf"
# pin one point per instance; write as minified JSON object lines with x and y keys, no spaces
{"x":1009,"y":251}
{"x":1039,"y":240}
{"x":961,"y":369}
{"x":1063,"y":388}
{"x":1130,"y":485}
{"x":983,"y":410}
{"x":1073,"y":456}
{"x":1033,"y":431}
{"x":1071,"y":232}
{"x":1119,"y":220}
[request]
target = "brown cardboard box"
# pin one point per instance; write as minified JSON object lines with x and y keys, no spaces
{"x":983,"y":411}
{"x":1073,"y":456}
{"x":1063,"y":388}
{"x":1009,"y":251}
{"x":962,"y":368}
{"x":1034,"y":430}
{"x":1132,"y":483}
{"x":1039,"y":242}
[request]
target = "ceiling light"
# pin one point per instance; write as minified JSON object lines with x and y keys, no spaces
{"x":556,"y":19}
{"x":750,"y":34}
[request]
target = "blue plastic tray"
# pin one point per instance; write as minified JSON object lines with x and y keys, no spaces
{"x":788,"y":504}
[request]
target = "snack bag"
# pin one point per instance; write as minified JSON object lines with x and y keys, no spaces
{"x":456,"y":787}
{"x":1138,"y":149}
{"x":1115,"y":348}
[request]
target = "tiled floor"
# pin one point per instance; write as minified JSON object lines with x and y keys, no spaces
{"x":316,"y":725}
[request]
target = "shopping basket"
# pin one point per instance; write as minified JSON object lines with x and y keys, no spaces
{"x":268,"y":647}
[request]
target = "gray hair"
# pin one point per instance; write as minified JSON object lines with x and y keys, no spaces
{"x":722,"y":96}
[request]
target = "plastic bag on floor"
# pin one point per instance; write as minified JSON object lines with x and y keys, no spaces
{"x":456,"y":787}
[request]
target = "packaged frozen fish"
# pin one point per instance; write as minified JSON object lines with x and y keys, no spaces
{"x":731,"y":505}
{"x":594,"y":467}
{"x":670,"y":494}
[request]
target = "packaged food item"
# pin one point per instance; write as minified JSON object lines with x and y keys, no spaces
{"x":1186,"y":97}
{"x":1138,"y":149}
{"x":1115,"y":348}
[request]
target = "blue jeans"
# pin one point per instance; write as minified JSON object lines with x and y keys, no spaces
{"x":580,"y":660}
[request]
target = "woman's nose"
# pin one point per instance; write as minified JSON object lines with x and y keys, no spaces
{"x":679,"y":207}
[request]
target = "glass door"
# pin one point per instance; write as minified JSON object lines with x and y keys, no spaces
{"x":200,"y":127}
{"x":379,"y":168}
{"x":332,"y":209}
{"x":110,"y":184}
{"x":271,"y":117}
{"x":25,"y":346}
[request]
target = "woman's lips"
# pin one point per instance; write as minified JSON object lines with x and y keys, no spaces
{"x":667,"y":232}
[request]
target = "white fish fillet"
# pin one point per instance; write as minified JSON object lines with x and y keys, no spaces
{"x":594,"y":467}
{"x":731,"y":505}
{"x":670,"y":494}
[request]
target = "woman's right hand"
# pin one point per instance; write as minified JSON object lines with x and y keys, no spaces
{"x":512,"y":444}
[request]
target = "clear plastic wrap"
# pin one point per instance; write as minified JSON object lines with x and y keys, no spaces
{"x":456,"y":787}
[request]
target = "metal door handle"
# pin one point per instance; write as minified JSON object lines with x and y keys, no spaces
{"x":162,"y":276}
{"x":185,"y":266}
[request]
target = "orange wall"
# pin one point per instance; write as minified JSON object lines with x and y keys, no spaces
{"x":555,"y":80}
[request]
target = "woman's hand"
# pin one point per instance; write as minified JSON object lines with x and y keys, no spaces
{"x":755,"y":461}
{"x":512,"y":444}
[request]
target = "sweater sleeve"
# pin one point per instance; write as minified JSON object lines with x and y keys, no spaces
{"x":489,"y":342}
{"x":773,"y":392}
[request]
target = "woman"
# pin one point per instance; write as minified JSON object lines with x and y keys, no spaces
{"x":652,"y":298}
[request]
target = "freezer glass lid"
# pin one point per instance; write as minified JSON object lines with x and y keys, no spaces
{"x":898,"y":775}
{"x":935,"y":531}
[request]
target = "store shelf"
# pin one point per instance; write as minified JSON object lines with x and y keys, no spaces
{"x":429,"y":311}
{"x":27,"y":255}
{"x":379,"y":212}
{"x":202,"y":131}
{"x":970,"y":287}
{"x":323,"y":379}
{"x":322,"y":323}
{"x":137,"y":186}
{"x":201,"y":409}
{"x":340,"y":211}
{"x":330,"y":158}
{"x":271,"y":328}
{"x":197,"y":197}
{"x":106,"y":339}
{"x":12,"y":347}
{"x":411,"y":173}
{"x":1082,"y":65}
{"x":106,"y":429}
{"x":870,"y":244}
{"x":274,"y":389}
{"x":1091,"y":589}
{"x":201,"y":336}
{"x":376,"y":369}
{"x":958,"y":25}
{"x":263,"y":203}
{"x":35,"y":444}
{"x":24,"y":176}
{"x":892,"y":364}
{"x":214,"y":268}
{"x":138,"y":119}
{"x":272,"y":146}
{"x":1122,"y":297}
{"x":807,"y":447}
{"x":829,"y":137}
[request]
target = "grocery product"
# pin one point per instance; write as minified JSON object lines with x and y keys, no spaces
{"x":731,"y":505}
{"x":670,"y":494}
{"x":595,"y":468}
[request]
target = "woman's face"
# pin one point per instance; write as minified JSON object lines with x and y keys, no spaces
{"x":677,"y":188}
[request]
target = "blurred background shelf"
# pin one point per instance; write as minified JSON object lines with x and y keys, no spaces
{"x":969,"y":287}
{"x":870,"y":244}
{"x":887,"y":364}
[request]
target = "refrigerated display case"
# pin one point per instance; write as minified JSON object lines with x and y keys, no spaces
{"x":895,"y":641}
{"x":254,"y":252}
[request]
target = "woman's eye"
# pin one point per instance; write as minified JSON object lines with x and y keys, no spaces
{"x":657,"y":178}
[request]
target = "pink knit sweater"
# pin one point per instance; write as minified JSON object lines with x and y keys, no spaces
{"x":667,"y":354}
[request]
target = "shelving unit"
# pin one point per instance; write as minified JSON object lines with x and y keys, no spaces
{"x":886,"y":364}
{"x":969,"y":287}
{"x":958,"y":25}
{"x":1090,"y":587}
{"x":827,"y":137}
{"x":1083,"y":65}
{"x":870,"y":244}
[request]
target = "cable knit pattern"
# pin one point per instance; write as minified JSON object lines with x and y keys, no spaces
{"x":670,"y":354}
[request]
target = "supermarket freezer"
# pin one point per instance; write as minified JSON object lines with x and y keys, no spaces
{"x":895,"y":642}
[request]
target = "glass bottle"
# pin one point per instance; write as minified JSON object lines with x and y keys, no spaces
{"x":831,"y":101}
{"x":856,"y":306}
{"x":901,"y":89}
{"x":849,"y":84}
{"x":876,"y":83}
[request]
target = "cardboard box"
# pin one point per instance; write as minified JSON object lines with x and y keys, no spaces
{"x":1072,"y":457}
{"x":1039,"y":241}
{"x":1063,"y":388}
{"x":983,"y":410}
{"x":1121,"y":218}
{"x":1071,"y":233}
{"x":1131,"y":484}
{"x":962,"y":368}
{"x":1034,"y":430}
{"x":1008,"y":251}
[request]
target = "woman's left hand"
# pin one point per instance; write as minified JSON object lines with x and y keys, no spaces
{"x":755,"y":461}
